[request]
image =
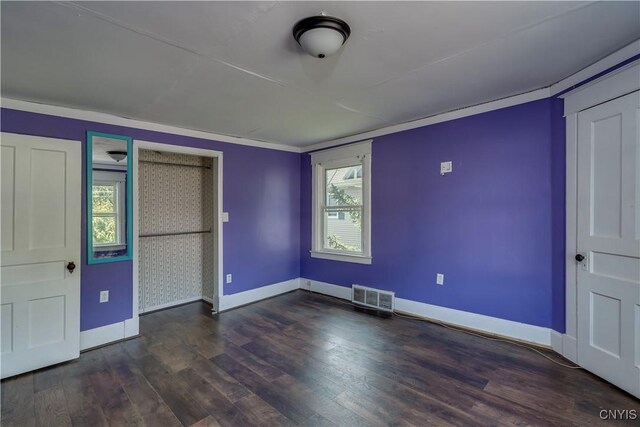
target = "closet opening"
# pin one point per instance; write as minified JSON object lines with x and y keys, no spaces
{"x":177,"y":229}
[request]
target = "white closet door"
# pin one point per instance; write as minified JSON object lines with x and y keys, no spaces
{"x":608,"y":230}
{"x":40,"y":300}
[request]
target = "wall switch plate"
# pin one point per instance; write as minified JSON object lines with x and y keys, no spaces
{"x":229,"y":278}
{"x":225,"y":216}
{"x":104,"y":296}
{"x":446,"y":167}
{"x":439,"y":279}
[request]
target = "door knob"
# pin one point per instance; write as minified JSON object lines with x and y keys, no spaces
{"x":71,"y":266}
{"x":579,"y":257}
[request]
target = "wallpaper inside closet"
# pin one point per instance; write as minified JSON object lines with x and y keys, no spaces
{"x":174,"y":197}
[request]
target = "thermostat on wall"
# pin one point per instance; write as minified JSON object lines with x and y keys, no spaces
{"x":446,"y":167}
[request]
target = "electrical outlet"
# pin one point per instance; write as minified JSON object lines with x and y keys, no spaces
{"x":446,"y":167}
{"x":439,"y":279}
{"x":309,"y":284}
{"x":229,"y":278}
{"x":104,"y":296}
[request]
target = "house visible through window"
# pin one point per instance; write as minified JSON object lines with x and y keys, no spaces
{"x":342,"y":204}
{"x":332,"y":214}
{"x":108,"y":209}
{"x":354,"y":173}
{"x":344,"y":198}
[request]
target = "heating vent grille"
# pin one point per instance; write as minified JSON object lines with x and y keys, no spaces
{"x":375,"y":298}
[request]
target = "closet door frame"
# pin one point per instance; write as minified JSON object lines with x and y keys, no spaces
{"x":217,"y":229}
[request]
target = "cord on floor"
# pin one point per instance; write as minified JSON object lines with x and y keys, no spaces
{"x":488,"y":337}
{"x":466,"y":331}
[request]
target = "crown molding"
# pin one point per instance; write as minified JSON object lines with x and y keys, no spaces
{"x":94,"y":116}
{"x":617,"y":57}
{"x":604,"y":64}
{"x":438,"y":118}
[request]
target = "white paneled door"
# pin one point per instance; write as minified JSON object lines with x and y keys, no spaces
{"x":608,"y":231}
{"x":39,"y":293}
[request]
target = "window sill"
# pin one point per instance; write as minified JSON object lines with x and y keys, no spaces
{"x":358,"y":259}
{"x":108,"y":248}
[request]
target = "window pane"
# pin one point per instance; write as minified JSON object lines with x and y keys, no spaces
{"x":104,"y":230}
{"x":354,"y":172}
{"x":104,"y":199}
{"x":343,"y":232}
{"x":343,"y":186}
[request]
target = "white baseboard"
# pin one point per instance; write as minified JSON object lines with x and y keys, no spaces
{"x":480,"y":322}
{"x":326,"y":289}
{"x":109,"y":333}
{"x":228,"y":302}
{"x":556,"y":341}
{"x":215,"y":303}
{"x":170,"y":304}
{"x":561,"y":343}
{"x":493,"y":325}
{"x":570,"y":348}
{"x":131,"y":327}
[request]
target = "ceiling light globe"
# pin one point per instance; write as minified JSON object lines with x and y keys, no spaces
{"x":321,"y":35}
{"x":321,"y":42}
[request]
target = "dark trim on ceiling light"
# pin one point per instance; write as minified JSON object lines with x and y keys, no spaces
{"x":320,"y":21}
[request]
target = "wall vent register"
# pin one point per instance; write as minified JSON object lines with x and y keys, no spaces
{"x":372,"y":298}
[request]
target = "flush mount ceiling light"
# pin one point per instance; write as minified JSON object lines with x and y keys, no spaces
{"x":118,"y":156}
{"x":321,"y":35}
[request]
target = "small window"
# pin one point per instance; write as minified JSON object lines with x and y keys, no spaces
{"x":108,"y":207}
{"x":342,"y":211}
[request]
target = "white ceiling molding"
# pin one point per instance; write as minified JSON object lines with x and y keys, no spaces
{"x":93,"y":116}
{"x":438,"y":118}
{"x":208,"y":66}
{"x":605,"y":63}
{"x":620,"y":82}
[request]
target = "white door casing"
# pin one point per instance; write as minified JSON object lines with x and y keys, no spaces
{"x":217,"y":228}
{"x":41,"y":209}
{"x":608,"y":236}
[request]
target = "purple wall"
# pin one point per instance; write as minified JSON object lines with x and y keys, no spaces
{"x":261,"y":194}
{"x":558,"y":213}
{"x":494,"y":227}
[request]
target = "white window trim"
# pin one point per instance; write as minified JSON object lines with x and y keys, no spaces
{"x":329,"y":159}
{"x":117,"y":179}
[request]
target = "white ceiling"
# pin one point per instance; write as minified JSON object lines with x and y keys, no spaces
{"x":233,"y":68}
{"x":100,"y":147}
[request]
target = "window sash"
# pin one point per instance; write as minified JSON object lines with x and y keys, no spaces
{"x":343,"y":208}
{"x":336,"y":209}
{"x":344,"y":240}
{"x":116,"y":198}
{"x":106,"y":215}
{"x":343,"y":157}
{"x":116,"y":214}
{"x":117,"y":236}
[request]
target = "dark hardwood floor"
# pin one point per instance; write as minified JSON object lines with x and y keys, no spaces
{"x":306,"y":359}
